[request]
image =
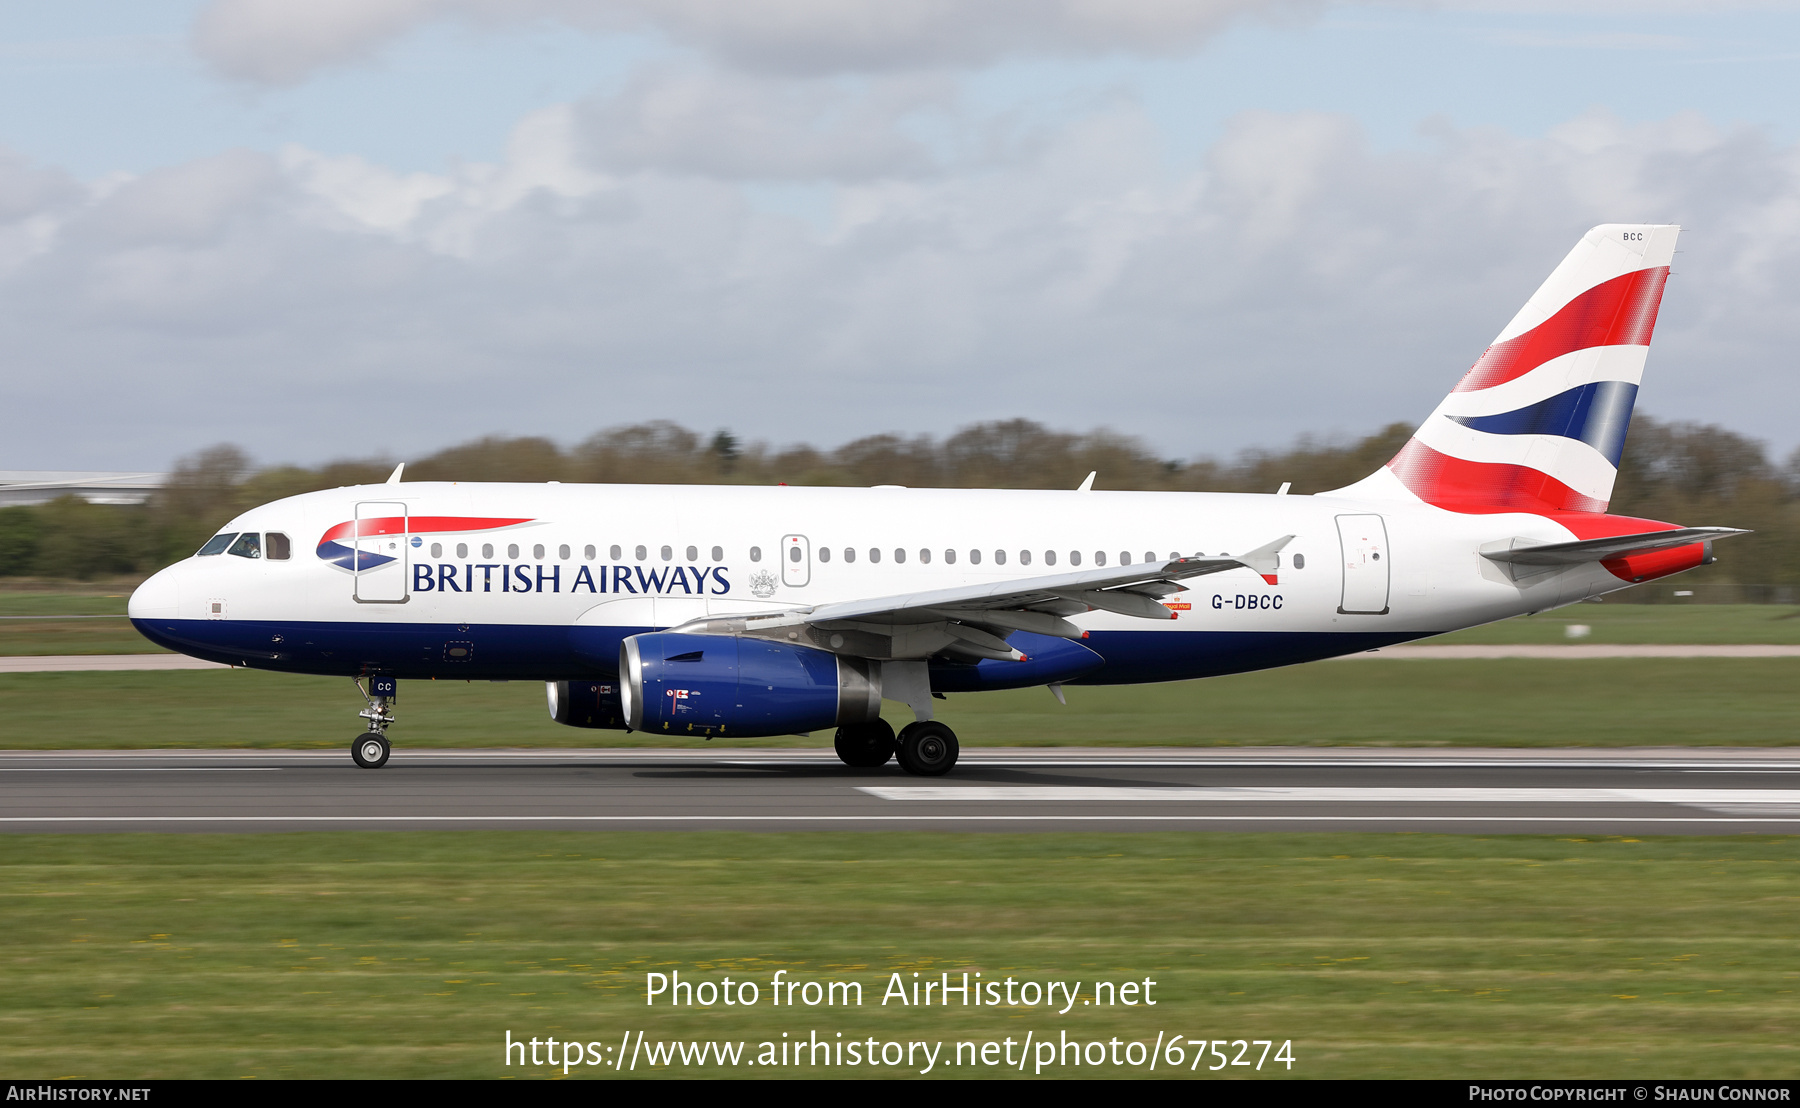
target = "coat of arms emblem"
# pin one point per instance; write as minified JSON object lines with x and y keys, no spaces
{"x":762,"y":583}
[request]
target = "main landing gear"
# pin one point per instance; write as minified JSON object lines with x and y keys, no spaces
{"x":925,"y":748}
{"x":371,"y":749}
{"x":865,"y":745}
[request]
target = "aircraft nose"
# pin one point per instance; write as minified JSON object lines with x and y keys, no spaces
{"x":157,"y":598}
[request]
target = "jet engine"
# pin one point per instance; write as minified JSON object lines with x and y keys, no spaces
{"x":585,"y":703}
{"x":673,"y":683}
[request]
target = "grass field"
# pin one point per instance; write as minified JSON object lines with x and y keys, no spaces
{"x":1506,"y":702}
{"x":51,"y":635}
{"x":1685,"y":624}
{"x":410,"y":954}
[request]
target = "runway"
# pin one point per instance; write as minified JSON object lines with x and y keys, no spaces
{"x":1634,"y":792}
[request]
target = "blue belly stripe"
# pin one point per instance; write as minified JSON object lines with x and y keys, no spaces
{"x":418,"y":651}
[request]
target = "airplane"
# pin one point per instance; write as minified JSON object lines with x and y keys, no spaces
{"x":694,"y":612}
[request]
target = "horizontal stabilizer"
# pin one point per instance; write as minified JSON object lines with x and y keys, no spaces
{"x":1597,"y":550}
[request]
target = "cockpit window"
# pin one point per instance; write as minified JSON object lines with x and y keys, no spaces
{"x":277,"y":544}
{"x":249,"y":545}
{"x":216,"y":544}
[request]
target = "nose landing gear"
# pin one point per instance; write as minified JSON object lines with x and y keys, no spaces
{"x":371,"y":749}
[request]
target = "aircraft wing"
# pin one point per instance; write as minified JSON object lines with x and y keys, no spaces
{"x":1596,"y":550}
{"x":974,"y":620}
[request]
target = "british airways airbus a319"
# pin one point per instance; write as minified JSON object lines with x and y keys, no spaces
{"x":692,"y":612}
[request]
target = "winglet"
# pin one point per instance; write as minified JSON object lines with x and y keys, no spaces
{"x":1266,"y":559}
{"x":394,"y":477}
{"x":1088,"y":485}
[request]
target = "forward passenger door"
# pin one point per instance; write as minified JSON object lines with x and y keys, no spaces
{"x":380,"y":570}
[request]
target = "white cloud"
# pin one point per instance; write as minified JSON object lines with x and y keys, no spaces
{"x":311,"y":305}
{"x":730,"y":124}
{"x":281,"y":42}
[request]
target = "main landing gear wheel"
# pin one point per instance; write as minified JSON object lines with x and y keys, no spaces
{"x":370,"y":751}
{"x":865,"y":745}
{"x":927,"y":748}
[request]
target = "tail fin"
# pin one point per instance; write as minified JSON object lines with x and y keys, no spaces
{"x":1538,"y":423}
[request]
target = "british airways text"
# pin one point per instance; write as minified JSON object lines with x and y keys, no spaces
{"x":538,"y":577}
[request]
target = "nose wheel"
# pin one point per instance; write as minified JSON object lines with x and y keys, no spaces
{"x":370,"y":751}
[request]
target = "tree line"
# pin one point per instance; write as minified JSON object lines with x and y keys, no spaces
{"x":1684,"y":472}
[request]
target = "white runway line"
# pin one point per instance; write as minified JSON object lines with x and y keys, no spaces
{"x":971,"y":818}
{"x":1737,"y":801}
{"x":141,"y":769}
{"x":87,"y":663}
{"x":1447,"y":652}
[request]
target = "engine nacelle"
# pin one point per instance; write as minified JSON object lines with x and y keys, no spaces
{"x":729,"y":685}
{"x":585,"y":703}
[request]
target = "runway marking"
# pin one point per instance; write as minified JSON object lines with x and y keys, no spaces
{"x":1772,"y":801}
{"x":142,"y":769}
{"x":973,"y":818}
{"x":1322,"y":763}
{"x":1566,"y":652}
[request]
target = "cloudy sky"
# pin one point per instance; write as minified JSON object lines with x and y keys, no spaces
{"x":357,"y":226}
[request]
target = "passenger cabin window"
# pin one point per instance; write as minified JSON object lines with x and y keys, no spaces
{"x":487,"y":550}
{"x":248,"y":545}
{"x":718,"y":553}
{"x":794,"y":554}
{"x":824,"y":553}
{"x":216,"y":545}
{"x":1124,"y":557}
{"x":615,"y":553}
{"x":1074,"y":557}
{"x":925,"y":554}
{"x":849,"y":554}
{"x":589,"y":552}
{"x":437,"y":550}
{"x":642,"y":553}
{"x":538,"y":551}
{"x":667,"y":553}
{"x":512,"y":550}
{"x":1024,"y":557}
{"x":974,"y":557}
{"x":949,"y":557}
{"x":999,"y":557}
{"x":462,"y":549}
{"x":563,"y":552}
{"x":1049,"y":557}
{"x":899,"y":554}
{"x":1099,"y":557}
{"x":1299,"y":561}
{"x":874,"y":554}
{"x":278,"y":546}
{"x":756,"y":553}
{"x":693,"y":553}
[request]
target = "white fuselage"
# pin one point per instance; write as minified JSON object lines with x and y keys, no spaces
{"x":631,"y":558}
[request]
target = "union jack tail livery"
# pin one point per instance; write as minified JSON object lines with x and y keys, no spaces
{"x":1538,"y":423}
